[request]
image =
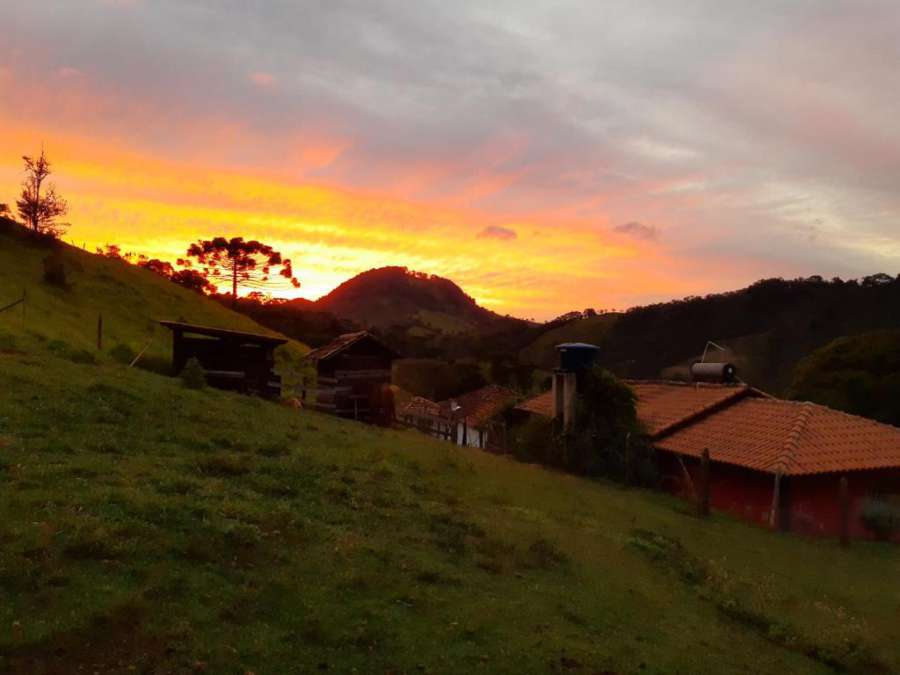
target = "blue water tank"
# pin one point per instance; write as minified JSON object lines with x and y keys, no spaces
{"x":575,"y":356}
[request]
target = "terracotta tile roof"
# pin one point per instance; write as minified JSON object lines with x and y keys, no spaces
{"x":542,"y":404}
{"x":479,"y":406}
{"x":662,"y":406}
{"x":341,"y":343}
{"x":418,"y":406}
{"x":795,"y":438}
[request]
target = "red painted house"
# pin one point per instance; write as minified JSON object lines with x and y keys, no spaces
{"x":781,"y":462}
{"x":773,"y":462}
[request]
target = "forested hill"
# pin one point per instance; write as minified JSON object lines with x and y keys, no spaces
{"x":768,"y":327}
{"x":391,"y":295}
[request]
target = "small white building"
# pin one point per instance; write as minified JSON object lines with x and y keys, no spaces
{"x":473,"y":419}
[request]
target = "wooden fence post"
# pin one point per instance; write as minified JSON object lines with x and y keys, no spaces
{"x":775,"y":514}
{"x":703,"y":497}
{"x":844,"y":501}
{"x":100,"y":332}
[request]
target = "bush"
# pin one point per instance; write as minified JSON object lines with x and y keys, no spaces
{"x":606,"y":438}
{"x":55,"y":270}
{"x":881,"y":517}
{"x":122,"y":353}
{"x":534,"y":441}
{"x":192,"y":375}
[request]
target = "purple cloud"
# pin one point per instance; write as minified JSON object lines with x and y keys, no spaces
{"x":498,"y":232}
{"x":638,"y":230}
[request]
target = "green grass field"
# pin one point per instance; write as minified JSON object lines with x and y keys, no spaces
{"x":145,"y":527}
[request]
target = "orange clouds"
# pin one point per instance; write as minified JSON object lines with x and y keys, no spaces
{"x":157,"y":207}
{"x":157,"y":202}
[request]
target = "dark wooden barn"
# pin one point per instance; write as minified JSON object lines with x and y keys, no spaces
{"x":353,"y":377}
{"x":231,"y":359}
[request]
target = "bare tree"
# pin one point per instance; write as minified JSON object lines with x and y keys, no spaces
{"x":242,"y":263}
{"x":39,"y":204}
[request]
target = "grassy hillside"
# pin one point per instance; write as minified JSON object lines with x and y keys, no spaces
{"x":149,"y":528}
{"x":172,"y":530}
{"x":130,"y":299}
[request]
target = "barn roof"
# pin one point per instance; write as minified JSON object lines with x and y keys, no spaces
{"x":341,"y":343}
{"x":257,"y":338}
{"x":662,"y":406}
{"x":789,"y":437}
{"x":479,"y":406}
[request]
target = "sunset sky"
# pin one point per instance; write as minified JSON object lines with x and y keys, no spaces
{"x":546,"y":156}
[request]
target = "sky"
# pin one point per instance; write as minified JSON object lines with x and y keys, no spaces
{"x":547,"y":156}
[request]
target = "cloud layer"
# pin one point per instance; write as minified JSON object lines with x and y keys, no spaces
{"x":762,"y":138}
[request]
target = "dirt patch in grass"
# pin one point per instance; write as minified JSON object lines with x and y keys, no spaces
{"x":116,"y":643}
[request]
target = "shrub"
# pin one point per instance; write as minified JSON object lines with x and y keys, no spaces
{"x":122,"y":353}
{"x":606,"y":438}
{"x":881,"y":517}
{"x":534,"y":441}
{"x":55,"y":270}
{"x":192,"y":375}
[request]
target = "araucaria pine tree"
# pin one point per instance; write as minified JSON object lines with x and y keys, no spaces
{"x":249,"y":264}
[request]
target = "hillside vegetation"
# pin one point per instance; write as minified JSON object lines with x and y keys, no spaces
{"x":150,"y":528}
{"x":591,"y":329}
{"x":131,"y":301}
{"x":859,"y":374}
{"x":392,"y":295}
{"x":767,"y":328}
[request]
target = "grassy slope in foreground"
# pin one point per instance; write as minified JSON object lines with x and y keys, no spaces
{"x":130,"y":299}
{"x":147,"y":525}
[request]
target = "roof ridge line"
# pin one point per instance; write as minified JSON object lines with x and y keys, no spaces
{"x":733,"y":397}
{"x":789,"y":450}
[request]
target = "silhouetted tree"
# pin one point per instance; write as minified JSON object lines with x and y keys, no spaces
{"x":115,"y":252}
{"x":190,"y":279}
{"x":4,"y":210}
{"x":39,"y":205}
{"x":243,"y":263}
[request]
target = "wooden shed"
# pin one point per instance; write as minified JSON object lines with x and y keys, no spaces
{"x":233,"y":360}
{"x":353,"y":374}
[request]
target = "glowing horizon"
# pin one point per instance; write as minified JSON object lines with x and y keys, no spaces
{"x":587,"y":179}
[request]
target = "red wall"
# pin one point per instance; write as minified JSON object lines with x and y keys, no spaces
{"x":814,"y":507}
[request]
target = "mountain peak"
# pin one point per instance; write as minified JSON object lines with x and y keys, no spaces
{"x":390,"y":295}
